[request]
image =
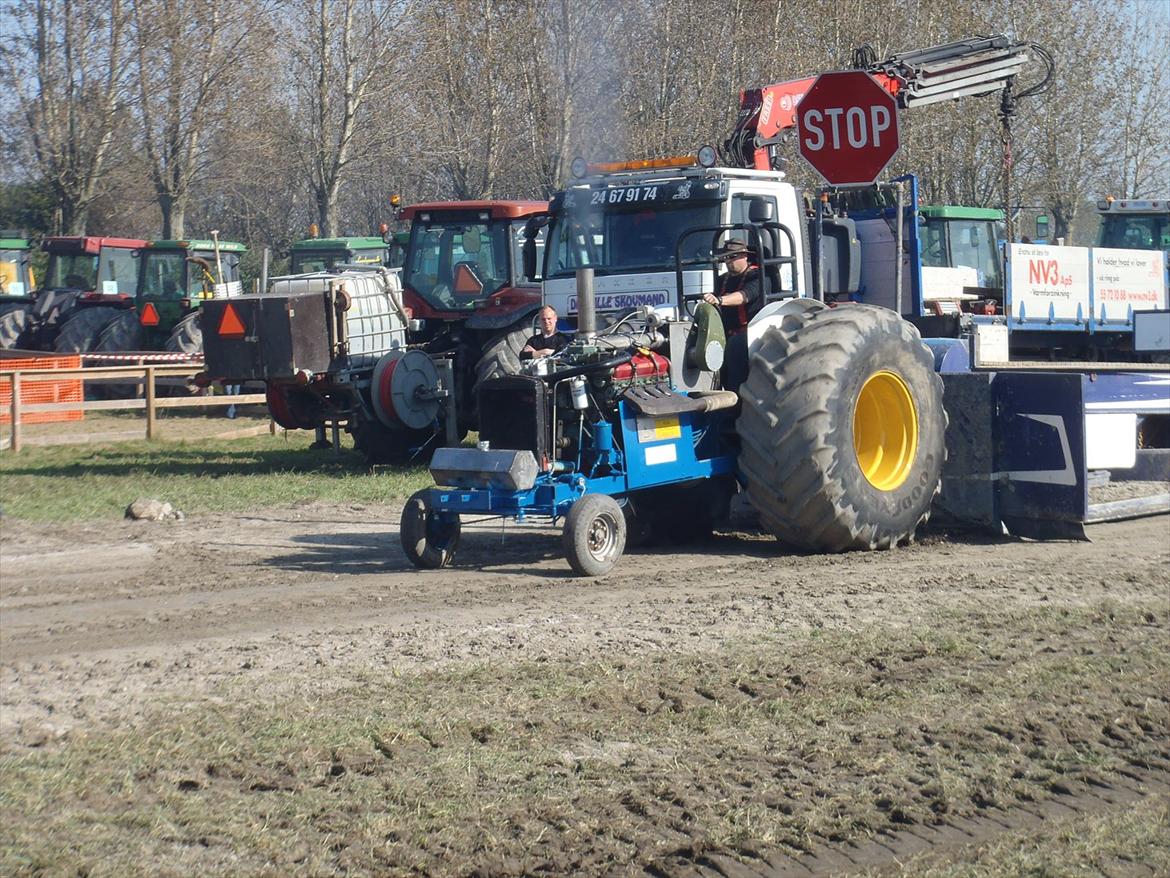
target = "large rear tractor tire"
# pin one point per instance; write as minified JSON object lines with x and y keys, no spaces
{"x":82,"y":329}
{"x":502,"y":355}
{"x":429,"y":539}
{"x":13,"y":324}
{"x":842,"y":428}
{"x":595,"y":534}
{"x":187,"y":336}
{"x":122,"y":333}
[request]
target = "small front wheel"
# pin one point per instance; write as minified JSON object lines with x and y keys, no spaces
{"x":594,"y":535}
{"x":429,"y":538}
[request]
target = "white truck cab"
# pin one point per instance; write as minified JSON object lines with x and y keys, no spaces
{"x":626,"y":225}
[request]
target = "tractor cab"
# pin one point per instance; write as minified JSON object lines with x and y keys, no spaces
{"x":396,"y":244}
{"x":465,"y":257}
{"x":176,"y":276}
{"x":83,"y":272}
{"x":324,"y":254}
{"x":98,"y":268}
{"x":964,"y":238}
{"x":1134,"y":224}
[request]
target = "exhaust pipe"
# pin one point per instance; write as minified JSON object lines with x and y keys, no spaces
{"x":586,"y":304}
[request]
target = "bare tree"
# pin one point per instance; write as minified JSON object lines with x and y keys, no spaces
{"x":346,"y":58}
{"x":188,"y":73}
{"x":1138,"y":165}
{"x":64,"y":66}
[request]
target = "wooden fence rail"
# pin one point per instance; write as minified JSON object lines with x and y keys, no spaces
{"x":146,"y":375}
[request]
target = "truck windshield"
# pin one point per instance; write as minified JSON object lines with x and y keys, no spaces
{"x":72,"y":271}
{"x":962,"y":243}
{"x":453,"y":264}
{"x":613,"y":238}
{"x":1136,"y":231}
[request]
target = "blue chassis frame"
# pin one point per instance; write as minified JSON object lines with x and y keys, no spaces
{"x":672,"y":449}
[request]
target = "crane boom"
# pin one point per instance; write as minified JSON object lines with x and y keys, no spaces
{"x":980,"y":65}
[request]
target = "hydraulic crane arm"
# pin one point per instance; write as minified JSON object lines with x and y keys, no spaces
{"x":976,"y":66}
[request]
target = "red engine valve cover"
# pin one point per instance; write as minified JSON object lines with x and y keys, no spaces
{"x":648,"y":365}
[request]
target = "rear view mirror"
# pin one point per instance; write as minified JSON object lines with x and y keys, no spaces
{"x":760,"y":210}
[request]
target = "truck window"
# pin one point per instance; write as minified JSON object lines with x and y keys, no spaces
{"x":620,"y":237}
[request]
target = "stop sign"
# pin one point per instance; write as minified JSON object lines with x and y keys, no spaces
{"x":848,"y":127}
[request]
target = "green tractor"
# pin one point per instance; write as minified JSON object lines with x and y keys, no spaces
{"x":323,"y":254}
{"x":174,"y":278}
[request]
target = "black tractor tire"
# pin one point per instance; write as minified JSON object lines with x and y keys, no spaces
{"x":382,"y":445}
{"x":842,"y":428}
{"x":428,"y":539}
{"x":595,"y":534}
{"x":80,"y":331}
{"x":501,"y":356}
{"x":13,"y":325}
{"x":187,"y":336}
{"x":121,"y":334}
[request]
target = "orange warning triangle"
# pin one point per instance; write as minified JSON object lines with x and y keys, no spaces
{"x":466,"y":283}
{"x":149,"y":315}
{"x":230,"y":324}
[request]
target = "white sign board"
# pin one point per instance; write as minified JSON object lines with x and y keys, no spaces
{"x":1048,"y":283}
{"x":1125,"y":279}
{"x":943,"y":282}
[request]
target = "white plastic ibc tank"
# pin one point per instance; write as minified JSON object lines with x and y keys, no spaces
{"x":374,"y":322}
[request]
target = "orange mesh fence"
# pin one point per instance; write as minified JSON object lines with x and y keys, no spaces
{"x":42,"y":391}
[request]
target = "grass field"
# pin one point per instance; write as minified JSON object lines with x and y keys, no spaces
{"x":84,"y":482}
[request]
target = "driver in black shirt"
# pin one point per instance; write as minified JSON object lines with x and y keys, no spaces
{"x":548,"y":341}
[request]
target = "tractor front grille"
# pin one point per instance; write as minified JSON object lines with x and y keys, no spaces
{"x":513,"y":414}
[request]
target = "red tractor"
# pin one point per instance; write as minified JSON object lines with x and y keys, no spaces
{"x":463,"y":281}
{"x":89,"y":281}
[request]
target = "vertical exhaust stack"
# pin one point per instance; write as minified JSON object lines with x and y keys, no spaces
{"x":586,"y":305}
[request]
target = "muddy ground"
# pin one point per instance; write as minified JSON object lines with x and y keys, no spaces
{"x":699,"y":710}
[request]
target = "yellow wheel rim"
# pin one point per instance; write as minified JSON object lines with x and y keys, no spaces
{"x":885,"y":430}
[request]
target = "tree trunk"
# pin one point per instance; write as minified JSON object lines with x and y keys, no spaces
{"x":174,"y":209}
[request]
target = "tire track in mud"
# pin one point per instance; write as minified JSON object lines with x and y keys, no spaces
{"x":214,"y":588}
{"x":889,"y":852}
